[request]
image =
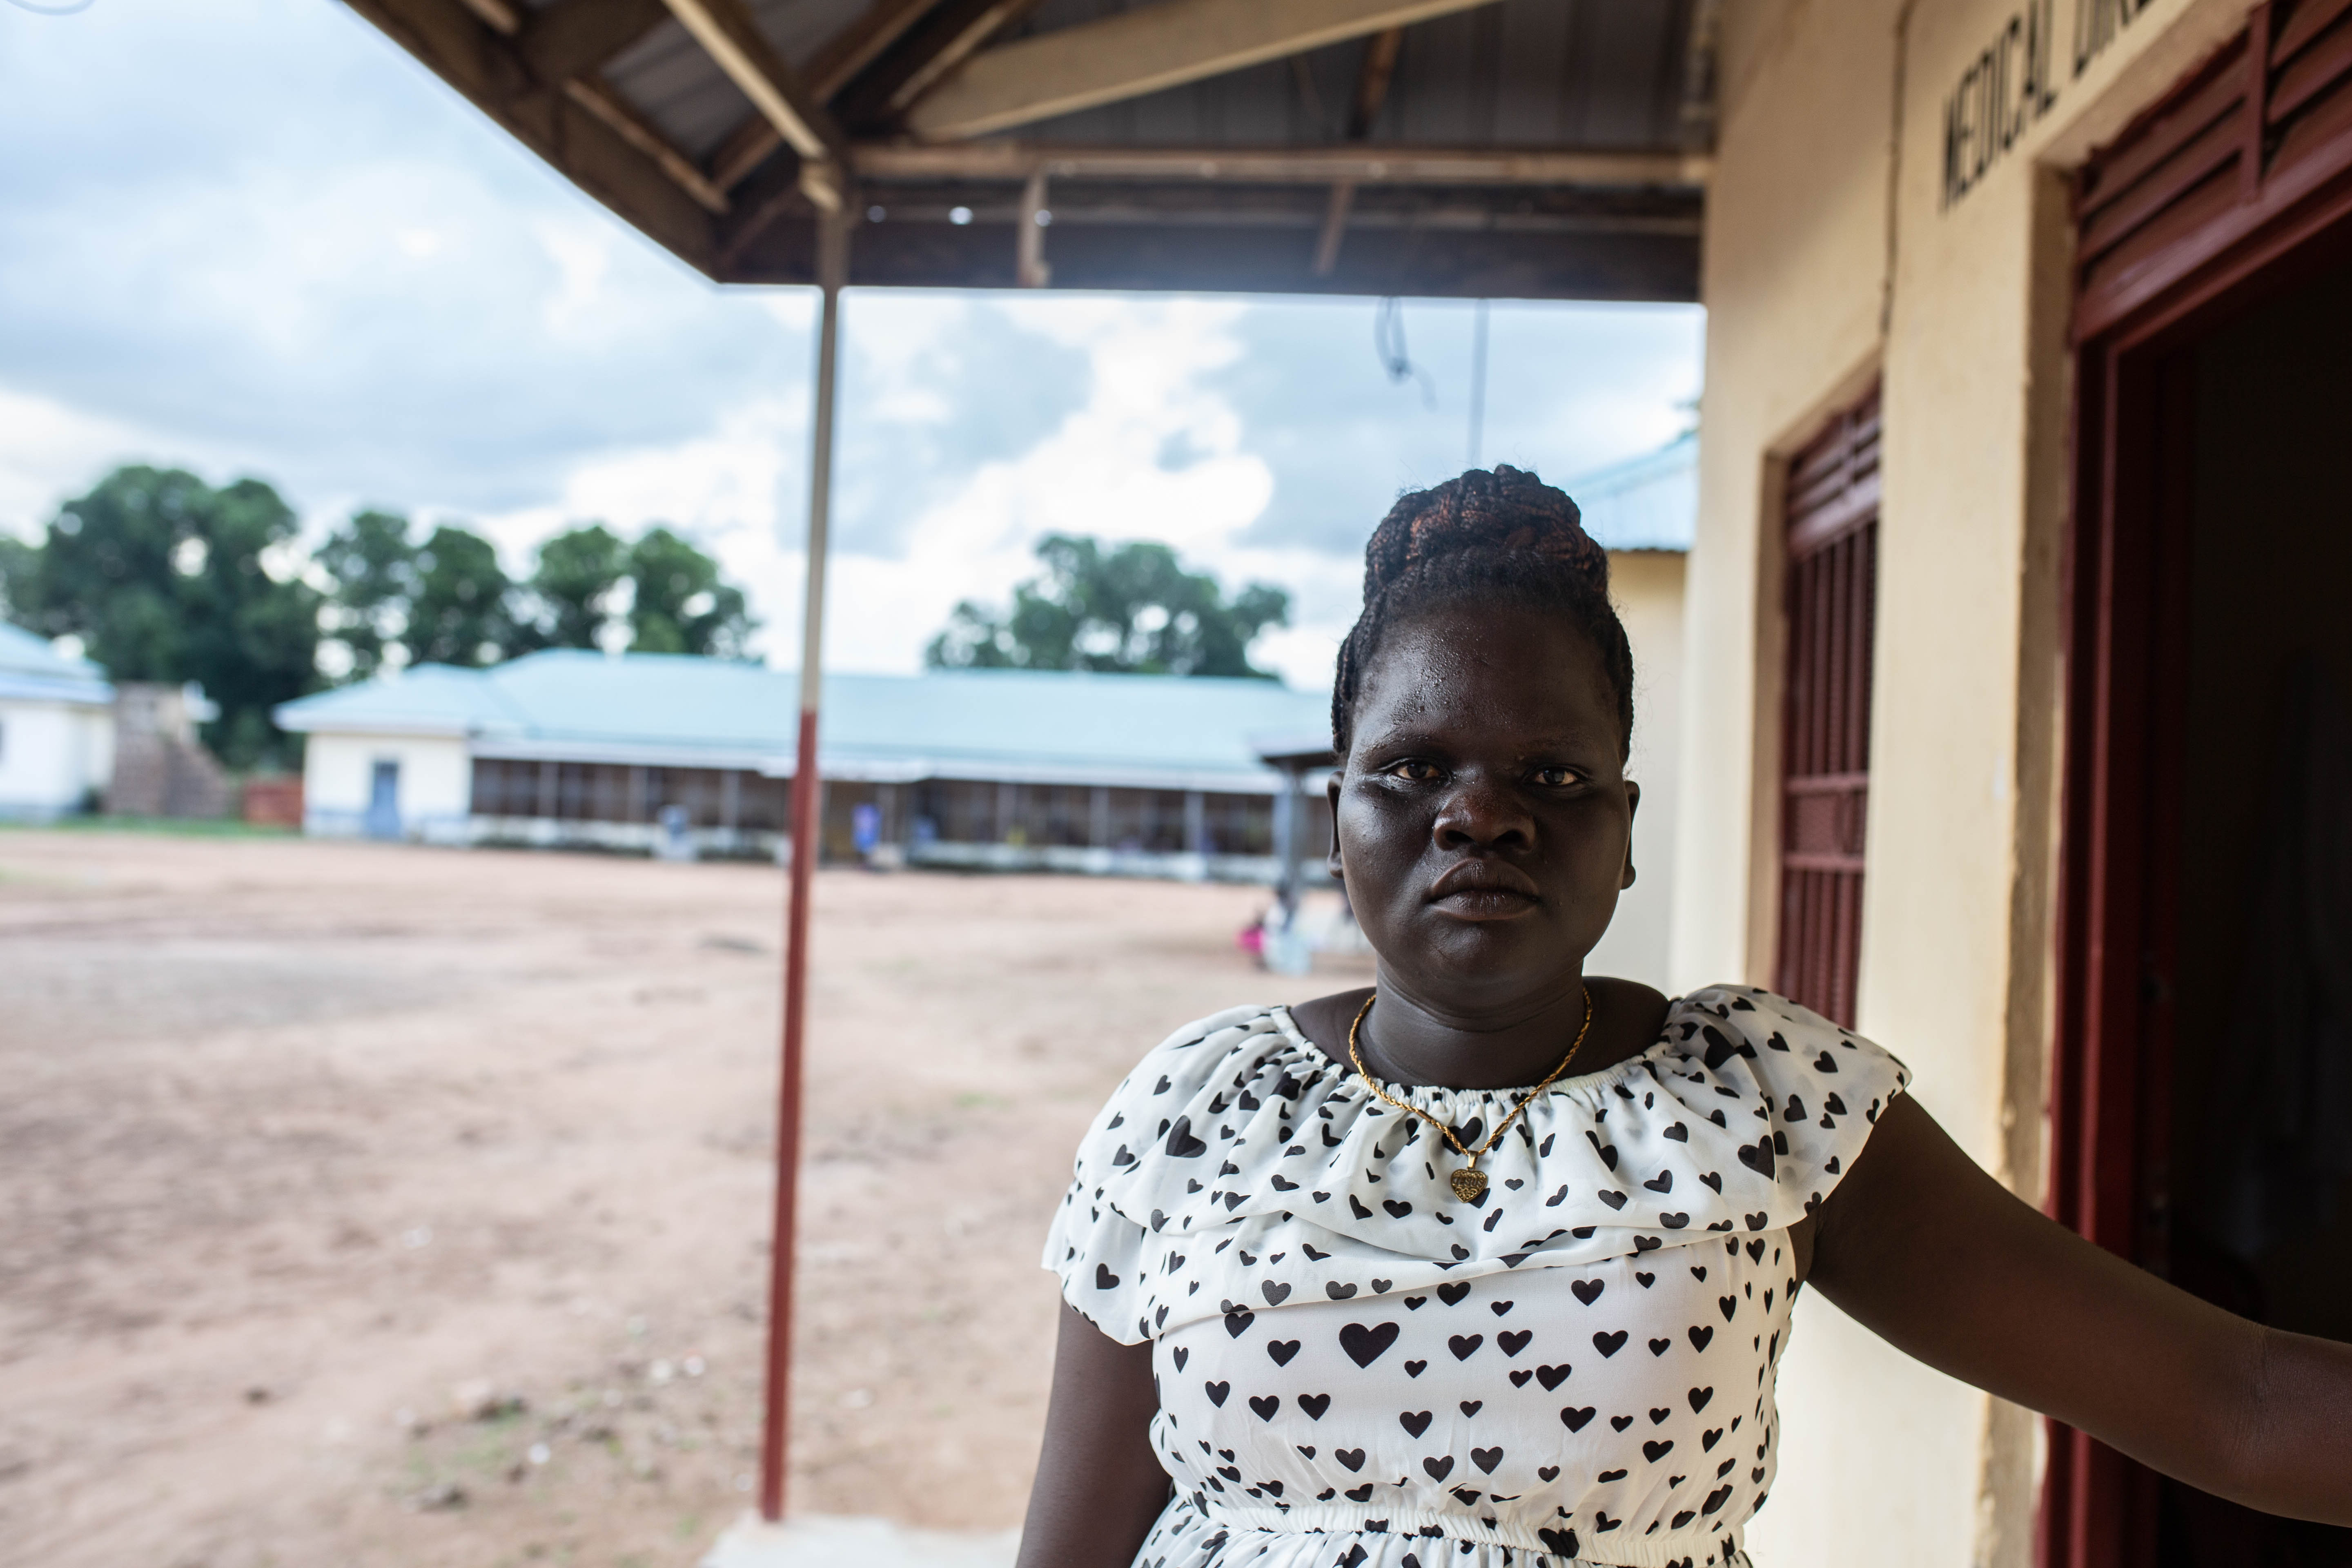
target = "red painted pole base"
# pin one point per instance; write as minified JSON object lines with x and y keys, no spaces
{"x":776,"y":1430}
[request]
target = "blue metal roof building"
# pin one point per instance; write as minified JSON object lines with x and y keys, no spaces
{"x":56,"y":729}
{"x":1020,"y":768}
{"x":1649,"y":502}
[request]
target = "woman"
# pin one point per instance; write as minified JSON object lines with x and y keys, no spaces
{"x":1492,"y":1263}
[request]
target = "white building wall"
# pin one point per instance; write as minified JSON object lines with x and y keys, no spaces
{"x":436,"y":783}
{"x":52,"y":755}
{"x":1648,"y":587}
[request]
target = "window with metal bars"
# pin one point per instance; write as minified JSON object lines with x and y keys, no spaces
{"x":1832,"y":594}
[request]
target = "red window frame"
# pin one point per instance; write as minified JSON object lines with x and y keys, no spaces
{"x":1830,"y":598}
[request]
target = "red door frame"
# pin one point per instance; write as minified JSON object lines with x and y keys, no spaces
{"x":2185,"y":267}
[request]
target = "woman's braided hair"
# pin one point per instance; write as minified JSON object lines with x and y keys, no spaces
{"x":1504,"y":538}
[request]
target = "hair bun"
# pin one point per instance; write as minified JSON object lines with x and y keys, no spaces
{"x":1506,"y":509}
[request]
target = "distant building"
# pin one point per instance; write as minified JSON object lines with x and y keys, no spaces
{"x":57,"y":729}
{"x":1009,"y":770}
{"x":994,"y":769}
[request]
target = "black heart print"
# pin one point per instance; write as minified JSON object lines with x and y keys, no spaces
{"x":1315,"y":1404}
{"x":1367,"y":1345}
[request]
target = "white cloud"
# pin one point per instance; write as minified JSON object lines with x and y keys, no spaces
{"x":329,"y":271}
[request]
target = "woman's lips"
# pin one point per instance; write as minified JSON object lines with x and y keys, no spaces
{"x":1483,"y":891}
{"x":1484,"y":903}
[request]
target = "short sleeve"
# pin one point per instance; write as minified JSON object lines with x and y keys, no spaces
{"x":1105,"y":1258}
{"x":1099,"y":1254}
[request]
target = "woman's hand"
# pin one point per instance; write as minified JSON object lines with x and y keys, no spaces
{"x":1099,"y":1485}
{"x":1923,"y":1247}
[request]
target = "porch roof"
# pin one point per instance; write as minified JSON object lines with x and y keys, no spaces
{"x":1536,"y":149}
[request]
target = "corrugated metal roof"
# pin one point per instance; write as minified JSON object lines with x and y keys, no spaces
{"x":1649,"y":502}
{"x":33,"y":670}
{"x":1587,"y":74}
{"x":1145,"y":731}
{"x":637,"y":114}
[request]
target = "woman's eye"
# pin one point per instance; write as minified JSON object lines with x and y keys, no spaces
{"x":1414,"y":770}
{"x":1555,"y":776}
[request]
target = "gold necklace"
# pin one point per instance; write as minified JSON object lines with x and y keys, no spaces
{"x":1469,"y":1183}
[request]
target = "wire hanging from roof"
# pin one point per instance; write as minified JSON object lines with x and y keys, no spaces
{"x":1388,"y":341}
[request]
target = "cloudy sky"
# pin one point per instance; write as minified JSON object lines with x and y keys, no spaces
{"x":252,"y":236}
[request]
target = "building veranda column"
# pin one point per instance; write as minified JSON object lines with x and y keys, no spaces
{"x":833,"y":269}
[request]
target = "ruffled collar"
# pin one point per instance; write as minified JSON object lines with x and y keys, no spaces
{"x":1735,"y":1119}
{"x":1450,"y":1105}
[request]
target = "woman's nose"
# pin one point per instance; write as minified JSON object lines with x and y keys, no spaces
{"x":1482,"y":812}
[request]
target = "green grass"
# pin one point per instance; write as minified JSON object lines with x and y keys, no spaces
{"x":169,"y":827}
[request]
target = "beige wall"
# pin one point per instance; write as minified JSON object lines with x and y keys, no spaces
{"x":1648,"y":587}
{"x":1834,"y":257}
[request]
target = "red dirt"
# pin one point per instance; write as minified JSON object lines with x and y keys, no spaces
{"x":340,"y":1176}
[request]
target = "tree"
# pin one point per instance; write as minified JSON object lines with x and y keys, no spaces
{"x":164,"y":578}
{"x":19,"y":562}
{"x":462,"y":612}
{"x":373,"y":564}
{"x":682,"y":605}
{"x":1131,"y":609}
{"x":573,"y":587}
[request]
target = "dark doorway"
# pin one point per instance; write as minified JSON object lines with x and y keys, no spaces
{"x":2250,"y":1196}
{"x":2201,"y":1089}
{"x":2206,"y":1098}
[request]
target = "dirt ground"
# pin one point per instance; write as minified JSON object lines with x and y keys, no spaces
{"x":366,"y":1205}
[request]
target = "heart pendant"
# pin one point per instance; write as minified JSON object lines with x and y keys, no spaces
{"x":1469,"y":1183}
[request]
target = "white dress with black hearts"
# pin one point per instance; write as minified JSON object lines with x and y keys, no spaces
{"x":1358,"y":1368}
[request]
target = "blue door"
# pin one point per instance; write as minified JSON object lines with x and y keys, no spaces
{"x":384,"y":802}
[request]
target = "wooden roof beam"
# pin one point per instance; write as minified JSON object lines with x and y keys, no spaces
{"x":727,"y":33}
{"x":834,"y":64}
{"x":499,"y":15}
{"x":1372,"y":79}
{"x":1143,"y":51}
{"x":451,"y":38}
{"x":1363,"y":164}
{"x":595,"y":95}
{"x":575,"y":38}
{"x":951,"y":34}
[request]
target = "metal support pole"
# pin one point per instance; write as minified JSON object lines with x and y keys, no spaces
{"x":1032,"y":268}
{"x":832,"y":269}
{"x":1477,"y":385}
{"x":1285,"y":845}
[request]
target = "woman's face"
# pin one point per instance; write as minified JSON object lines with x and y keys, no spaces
{"x":1484,"y":821}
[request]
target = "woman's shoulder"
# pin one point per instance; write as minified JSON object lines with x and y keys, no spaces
{"x":1807,"y":1089}
{"x":1231,"y":1060}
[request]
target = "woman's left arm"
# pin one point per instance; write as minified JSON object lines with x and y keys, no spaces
{"x":1923,"y":1247}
